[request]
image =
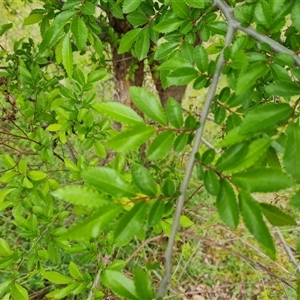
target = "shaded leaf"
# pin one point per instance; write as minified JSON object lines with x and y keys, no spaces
{"x":161,"y":145}
{"x":227,"y":205}
{"x":249,"y":77}
{"x":67,"y":55}
{"x":143,"y":180}
{"x":131,"y":139}
{"x":118,"y":112}
{"x":91,"y":227}
{"x":262,"y":180}
{"x":283,"y":88}
{"x":174,"y":113}
{"x":265,"y":116}
{"x":128,"y":39}
{"x":109,"y":181}
{"x":81,"y":195}
{"x":143,"y":284}
{"x":147,"y":103}
{"x":120,"y":284}
{"x":142,"y":44}
{"x":253,"y":220}
{"x":130,"y":224}
{"x":291,"y":158}
{"x":276,"y":216}
{"x":211,"y":182}
{"x":255,"y":151}
{"x":80,"y":32}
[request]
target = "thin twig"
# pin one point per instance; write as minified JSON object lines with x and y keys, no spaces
{"x":71,"y":153}
{"x":145,"y":243}
{"x":190,"y":165}
{"x":287,"y":249}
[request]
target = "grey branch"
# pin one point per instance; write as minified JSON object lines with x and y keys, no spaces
{"x":190,"y":165}
{"x":228,"y":13}
{"x":287,"y":249}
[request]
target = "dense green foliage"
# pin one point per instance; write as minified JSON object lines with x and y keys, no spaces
{"x":81,"y":178}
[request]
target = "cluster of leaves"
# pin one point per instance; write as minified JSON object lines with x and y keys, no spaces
{"x":50,"y":112}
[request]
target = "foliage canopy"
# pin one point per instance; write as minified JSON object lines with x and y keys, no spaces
{"x":84,"y":177}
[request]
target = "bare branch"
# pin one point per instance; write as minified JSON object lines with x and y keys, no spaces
{"x":190,"y":165}
{"x":287,"y":249}
{"x":228,"y":13}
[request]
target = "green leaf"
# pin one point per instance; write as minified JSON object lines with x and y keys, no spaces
{"x":33,"y":19}
{"x":92,"y":227}
{"x":97,"y":45}
{"x":74,"y":271}
{"x":255,"y":151}
{"x":283,"y":88}
{"x":109,"y":181}
{"x":58,"y":51}
{"x":253,"y":220}
{"x":129,"y":6}
{"x":291,"y":159}
{"x":4,"y":248}
{"x":201,"y":59}
{"x":263,"y":13}
{"x":5,"y":28}
{"x":130,"y":224}
{"x":88,"y":8}
{"x":137,"y":18}
{"x":169,"y":25}
{"x":276,"y":216}
{"x":131,"y":139}
{"x":161,"y":145}
{"x":4,"y":286}
{"x":147,"y":103}
{"x":233,"y":137}
{"x":227,"y":205}
{"x":80,"y":32}
{"x":18,"y":292}
{"x":181,"y":76}
{"x":117,"y":265}
{"x":4,"y":193}
{"x":163,"y":50}
{"x":142,"y":44}
{"x":265,"y":116}
{"x":36,"y":175}
{"x":96,"y":75}
{"x":54,"y":127}
{"x":249,"y":77}
{"x":62,"y":293}
{"x":81,"y":195}
{"x":56,"y":277}
{"x":196,"y":3}
{"x":67,"y":55}
{"x":156,"y":212}
{"x":174,"y":113}
{"x":211,"y":182}
{"x":8,"y":161}
{"x":143,"y":284}
{"x":118,"y":112}
{"x":218,"y":27}
{"x":232,"y":156}
{"x":262,"y":180}
{"x":181,"y":9}
{"x":51,"y":37}
{"x":143,"y":180}
{"x":295,"y":16}
{"x":181,"y":141}
{"x":185,"y":222}
{"x":120,"y":285}
{"x":128,"y":39}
